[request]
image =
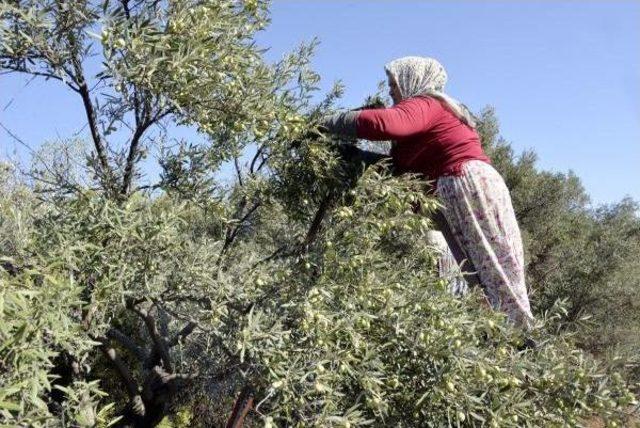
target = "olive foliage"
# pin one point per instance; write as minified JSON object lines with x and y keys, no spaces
{"x":305,"y":286}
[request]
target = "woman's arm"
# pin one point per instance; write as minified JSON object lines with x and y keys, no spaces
{"x":406,"y":118}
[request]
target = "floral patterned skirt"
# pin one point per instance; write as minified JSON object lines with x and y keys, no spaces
{"x":448,"y":268}
{"x":478,"y":208}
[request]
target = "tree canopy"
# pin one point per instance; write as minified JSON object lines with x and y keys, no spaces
{"x":302,"y":294}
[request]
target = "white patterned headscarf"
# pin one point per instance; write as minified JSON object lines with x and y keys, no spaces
{"x":416,"y":75}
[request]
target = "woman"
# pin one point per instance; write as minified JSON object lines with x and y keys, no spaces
{"x":435,"y":135}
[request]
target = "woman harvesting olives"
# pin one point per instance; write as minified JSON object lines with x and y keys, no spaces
{"x":435,"y":135}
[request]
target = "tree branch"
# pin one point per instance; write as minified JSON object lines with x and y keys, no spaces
{"x":127,"y":343}
{"x":16,"y":69}
{"x":238,"y":172}
{"x":123,"y":371}
{"x":314,"y":228}
{"x":252,"y":169}
{"x":158,"y":341}
{"x":217,"y":339}
{"x":83,"y":90}
{"x":134,"y":148}
{"x":131,"y":158}
{"x":231,"y":236}
{"x":182,"y":334}
{"x":241,"y":408}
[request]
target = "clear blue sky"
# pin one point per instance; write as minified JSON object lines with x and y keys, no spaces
{"x":564,"y":76}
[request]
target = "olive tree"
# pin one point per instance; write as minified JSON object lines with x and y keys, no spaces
{"x":152,"y":54}
{"x":302,"y":294}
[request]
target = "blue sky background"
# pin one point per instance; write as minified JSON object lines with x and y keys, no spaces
{"x":563,"y":76}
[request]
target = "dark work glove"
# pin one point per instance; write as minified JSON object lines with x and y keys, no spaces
{"x":343,"y":124}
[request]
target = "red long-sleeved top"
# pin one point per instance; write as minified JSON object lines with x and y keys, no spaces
{"x":428,"y":138}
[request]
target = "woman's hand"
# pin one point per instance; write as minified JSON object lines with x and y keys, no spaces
{"x":340,"y":124}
